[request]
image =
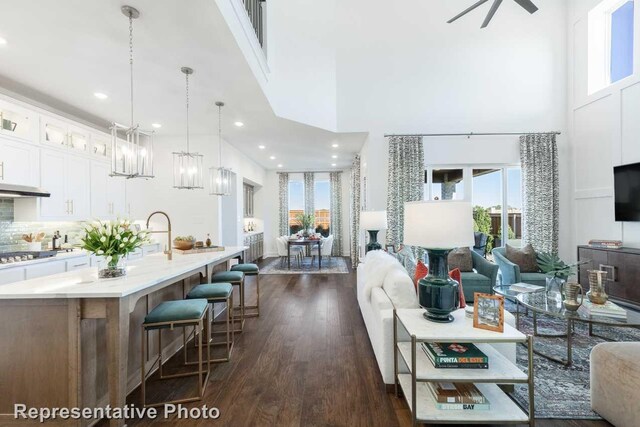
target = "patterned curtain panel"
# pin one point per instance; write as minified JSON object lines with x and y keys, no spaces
{"x":283,"y":212}
{"x":335,"y":205}
{"x":355,"y":211}
{"x":406,"y":181}
{"x":309,"y":193}
{"x":540,"y":188}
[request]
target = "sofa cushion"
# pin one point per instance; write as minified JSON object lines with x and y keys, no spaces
{"x":421,"y":272}
{"x":460,"y":258}
{"x":376,"y":266}
{"x":400,"y":288}
{"x":539,"y":279}
{"x":524,"y":258}
{"x":475,"y":282}
{"x":456,"y":275}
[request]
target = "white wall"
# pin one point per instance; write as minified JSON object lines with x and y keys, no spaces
{"x":604,"y":133}
{"x":191,"y":211}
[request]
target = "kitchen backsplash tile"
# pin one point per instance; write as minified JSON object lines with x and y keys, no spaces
{"x":6,"y":209}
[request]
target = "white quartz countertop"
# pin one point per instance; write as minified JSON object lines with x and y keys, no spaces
{"x":141,"y":274}
{"x":59,"y":257}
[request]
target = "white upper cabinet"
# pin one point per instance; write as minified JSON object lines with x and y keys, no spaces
{"x":52,"y":168}
{"x":61,"y":134}
{"x":107,"y":193}
{"x":18,"y":163}
{"x":77,"y":186}
{"x":17,"y":122}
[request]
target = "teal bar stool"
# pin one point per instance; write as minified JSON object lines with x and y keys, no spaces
{"x":168,"y":315}
{"x":217,"y":293}
{"x":251,"y":270}
{"x":236,"y":278}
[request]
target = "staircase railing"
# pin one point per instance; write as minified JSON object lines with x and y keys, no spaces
{"x":254,"y":10}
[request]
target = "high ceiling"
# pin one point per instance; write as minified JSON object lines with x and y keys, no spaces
{"x":62,"y":52}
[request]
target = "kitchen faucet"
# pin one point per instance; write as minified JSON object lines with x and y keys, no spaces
{"x":169,"y":252}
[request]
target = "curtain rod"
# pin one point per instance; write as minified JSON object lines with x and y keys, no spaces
{"x":469,"y":135}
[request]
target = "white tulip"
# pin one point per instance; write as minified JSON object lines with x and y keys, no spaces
{"x":125,"y":240}
{"x":103,"y":239}
{"x":122,"y":245}
{"x":100,"y":252}
{"x":118,"y":237}
{"x":108,"y":259}
{"x":133,"y":239}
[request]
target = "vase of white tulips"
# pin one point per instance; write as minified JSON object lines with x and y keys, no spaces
{"x":112,"y":240}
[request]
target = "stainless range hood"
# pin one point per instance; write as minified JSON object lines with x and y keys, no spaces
{"x":14,"y":191}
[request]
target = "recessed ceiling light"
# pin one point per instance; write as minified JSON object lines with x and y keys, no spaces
{"x":100,"y":95}
{"x":156,"y":125}
{"x":262,"y":147}
{"x":3,"y":41}
{"x":272,"y":157}
{"x":335,"y":145}
{"x":239,"y":124}
{"x":334,"y":165}
{"x":279,"y":166}
{"x":334,"y":156}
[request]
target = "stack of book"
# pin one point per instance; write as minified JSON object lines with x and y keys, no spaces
{"x":605,"y":244}
{"x":455,"y":356}
{"x":458,"y":396}
{"x":608,"y":309}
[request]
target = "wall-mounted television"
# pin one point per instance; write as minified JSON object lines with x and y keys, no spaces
{"x":627,"y":192}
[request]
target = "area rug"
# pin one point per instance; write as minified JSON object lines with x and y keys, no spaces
{"x":334,"y":265}
{"x":562,"y":392}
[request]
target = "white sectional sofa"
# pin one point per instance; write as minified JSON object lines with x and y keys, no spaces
{"x":382,"y":283}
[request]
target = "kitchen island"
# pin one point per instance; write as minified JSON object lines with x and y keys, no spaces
{"x":72,"y":340}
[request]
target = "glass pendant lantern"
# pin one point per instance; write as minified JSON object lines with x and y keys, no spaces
{"x":131,"y":147}
{"x":220,"y":177}
{"x":187,"y":166}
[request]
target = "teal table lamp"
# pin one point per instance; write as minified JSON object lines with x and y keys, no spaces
{"x":438,"y":227}
{"x":373,"y":222}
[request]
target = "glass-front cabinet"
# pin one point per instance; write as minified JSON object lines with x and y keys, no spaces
{"x":17,"y":122}
{"x":61,"y":134}
{"x":101,"y":146}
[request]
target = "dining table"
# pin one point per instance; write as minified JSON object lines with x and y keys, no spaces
{"x":305,"y":242}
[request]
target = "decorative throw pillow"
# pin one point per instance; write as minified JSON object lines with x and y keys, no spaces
{"x":457,"y":276}
{"x":399,"y":288}
{"x":407,"y":259}
{"x":461,"y":259}
{"x":524,"y":258}
{"x":422,"y":271}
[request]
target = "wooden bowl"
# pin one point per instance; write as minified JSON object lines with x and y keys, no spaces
{"x":183,"y":245}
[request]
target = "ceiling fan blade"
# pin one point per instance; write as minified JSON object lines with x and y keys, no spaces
{"x":460,"y":15}
{"x":528,"y":5}
{"x":492,"y":11}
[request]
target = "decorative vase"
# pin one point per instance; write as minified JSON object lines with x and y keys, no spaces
{"x":571,"y":291}
{"x":184,"y":245}
{"x":554,"y":288}
{"x":117,"y":267}
{"x":597,"y":294}
{"x":34,"y":246}
{"x":438,"y":293}
{"x":373,"y":241}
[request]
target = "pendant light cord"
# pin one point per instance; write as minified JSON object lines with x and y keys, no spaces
{"x":220,"y":136}
{"x":131,"y":60}
{"x":187,"y":80}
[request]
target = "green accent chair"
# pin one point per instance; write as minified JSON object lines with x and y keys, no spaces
{"x":191,"y":313}
{"x":482,"y":279}
{"x":218,"y":293}
{"x":510,"y":272}
{"x":250,"y":269}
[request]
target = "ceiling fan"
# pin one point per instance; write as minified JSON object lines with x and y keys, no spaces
{"x":526,"y":4}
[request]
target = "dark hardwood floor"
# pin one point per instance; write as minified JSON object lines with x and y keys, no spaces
{"x":306,"y":361}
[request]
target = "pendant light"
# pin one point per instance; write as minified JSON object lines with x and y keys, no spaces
{"x":131,"y":147}
{"x":187,"y":166}
{"x":220,"y":177}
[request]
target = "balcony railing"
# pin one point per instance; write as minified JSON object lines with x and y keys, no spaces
{"x":254,"y":10}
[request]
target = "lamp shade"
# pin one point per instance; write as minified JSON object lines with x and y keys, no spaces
{"x":438,"y":224}
{"x":373,"y":220}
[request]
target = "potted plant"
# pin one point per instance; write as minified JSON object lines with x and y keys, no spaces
{"x":112,"y":240}
{"x":307,"y":223}
{"x":557,"y":271}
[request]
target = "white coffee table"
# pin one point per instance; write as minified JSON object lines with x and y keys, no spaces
{"x":413,"y":370}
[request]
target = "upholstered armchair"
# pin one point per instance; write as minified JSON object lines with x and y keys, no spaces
{"x":510,"y":272}
{"x":482,"y":279}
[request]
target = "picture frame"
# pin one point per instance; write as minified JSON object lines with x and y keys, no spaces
{"x":488,"y":312}
{"x":390,"y":249}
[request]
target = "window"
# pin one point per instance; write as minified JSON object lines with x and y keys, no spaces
{"x":296,"y":203}
{"x":611,"y":28}
{"x":494,"y":191}
{"x":322,"y":207}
